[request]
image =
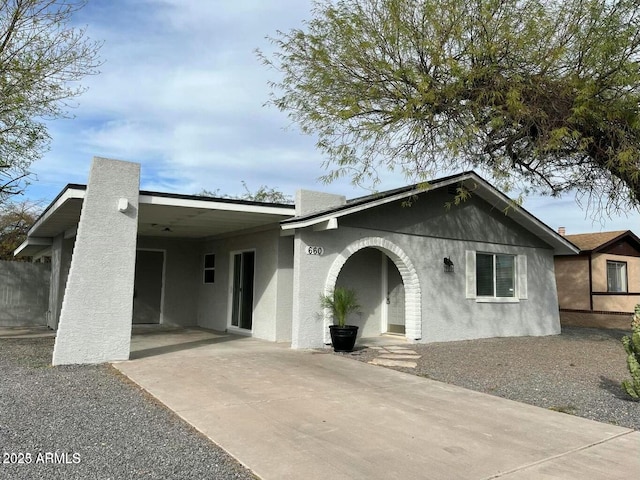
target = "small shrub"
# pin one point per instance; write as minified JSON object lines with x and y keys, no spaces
{"x":632,"y":347}
{"x":341,"y":302}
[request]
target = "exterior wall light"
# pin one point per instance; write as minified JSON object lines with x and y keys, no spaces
{"x":123,"y":204}
{"x":448,"y":265}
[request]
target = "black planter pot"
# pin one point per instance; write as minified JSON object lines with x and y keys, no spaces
{"x":343,"y":339}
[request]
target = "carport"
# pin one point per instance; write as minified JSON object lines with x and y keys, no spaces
{"x":127,"y":249}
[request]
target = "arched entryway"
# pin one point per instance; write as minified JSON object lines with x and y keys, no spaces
{"x":412,"y":294}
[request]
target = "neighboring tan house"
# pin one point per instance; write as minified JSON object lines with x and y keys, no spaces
{"x":421,"y":270}
{"x":601,"y":286}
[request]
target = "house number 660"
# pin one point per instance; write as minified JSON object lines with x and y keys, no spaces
{"x":315,"y":250}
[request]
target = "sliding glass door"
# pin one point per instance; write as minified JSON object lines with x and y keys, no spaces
{"x":242,"y":302}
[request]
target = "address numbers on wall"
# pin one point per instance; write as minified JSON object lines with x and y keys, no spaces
{"x":315,"y":250}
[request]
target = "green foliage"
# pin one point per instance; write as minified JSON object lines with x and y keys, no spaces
{"x":42,"y":58}
{"x":263,"y":194}
{"x":632,"y":348}
{"x":543,"y":95}
{"x":342,"y":301}
{"x":15,"y":221}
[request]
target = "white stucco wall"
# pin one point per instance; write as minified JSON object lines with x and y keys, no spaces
{"x":284,"y":307}
{"x":426,"y":232}
{"x":95,"y":320}
{"x":309,"y":201}
{"x":272,"y":292}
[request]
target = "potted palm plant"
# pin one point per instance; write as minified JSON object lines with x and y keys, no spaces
{"x":342,"y":301}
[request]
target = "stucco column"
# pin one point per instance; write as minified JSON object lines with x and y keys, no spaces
{"x":54,"y":287}
{"x":95,"y":321}
{"x":309,"y":273}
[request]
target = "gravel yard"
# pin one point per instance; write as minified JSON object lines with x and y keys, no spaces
{"x":578,"y":372}
{"x":85,"y":422}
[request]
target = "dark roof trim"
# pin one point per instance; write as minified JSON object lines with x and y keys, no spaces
{"x":417,"y":188}
{"x":232,"y":201}
{"x":605,"y":245}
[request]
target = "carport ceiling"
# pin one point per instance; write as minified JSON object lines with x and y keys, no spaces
{"x":185,"y":222}
{"x":168,"y":215}
{"x":187,"y":216}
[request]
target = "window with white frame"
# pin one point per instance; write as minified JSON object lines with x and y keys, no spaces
{"x":209,"y":275}
{"x":496,"y":277}
{"x":616,"y":276}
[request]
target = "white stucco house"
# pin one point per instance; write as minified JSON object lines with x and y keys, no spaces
{"x":121,"y":256}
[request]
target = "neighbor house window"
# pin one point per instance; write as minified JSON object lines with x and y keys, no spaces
{"x":616,"y":276}
{"x":209,"y":268}
{"x":495,"y":275}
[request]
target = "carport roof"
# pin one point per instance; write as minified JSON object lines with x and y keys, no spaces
{"x":472,"y":180}
{"x":160,"y":214}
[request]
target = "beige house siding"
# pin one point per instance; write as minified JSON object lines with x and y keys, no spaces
{"x":583,"y":295}
{"x":599,"y":265}
{"x":595,"y":320}
{"x":572,"y":280}
{"x":615,"y":303}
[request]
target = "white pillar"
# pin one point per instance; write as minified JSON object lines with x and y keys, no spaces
{"x":95,"y":321}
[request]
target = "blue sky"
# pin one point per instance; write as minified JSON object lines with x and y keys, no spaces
{"x":182,"y":92}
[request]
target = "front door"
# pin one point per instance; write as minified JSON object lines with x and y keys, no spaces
{"x":147,"y":286}
{"x":242,"y":298}
{"x":395,"y":299}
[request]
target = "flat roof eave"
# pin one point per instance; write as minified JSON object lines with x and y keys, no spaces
{"x":32,"y":246}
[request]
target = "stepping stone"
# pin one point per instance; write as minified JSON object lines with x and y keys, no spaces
{"x":404,"y":349}
{"x":393,"y":363}
{"x":400,"y":356}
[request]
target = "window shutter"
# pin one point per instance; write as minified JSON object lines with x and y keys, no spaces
{"x":522,"y":276}
{"x":471,"y":273}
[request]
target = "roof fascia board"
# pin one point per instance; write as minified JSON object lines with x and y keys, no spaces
{"x":323,"y":218}
{"x":331,"y":224}
{"x":151,"y":199}
{"x":70,"y":192}
{"x":20,"y":248}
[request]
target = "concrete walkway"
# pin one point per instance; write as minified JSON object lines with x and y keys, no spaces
{"x":289,"y":414}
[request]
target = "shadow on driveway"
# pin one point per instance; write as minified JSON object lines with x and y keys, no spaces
{"x":150,"y":343}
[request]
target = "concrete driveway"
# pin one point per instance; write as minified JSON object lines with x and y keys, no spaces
{"x":290,"y":414}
